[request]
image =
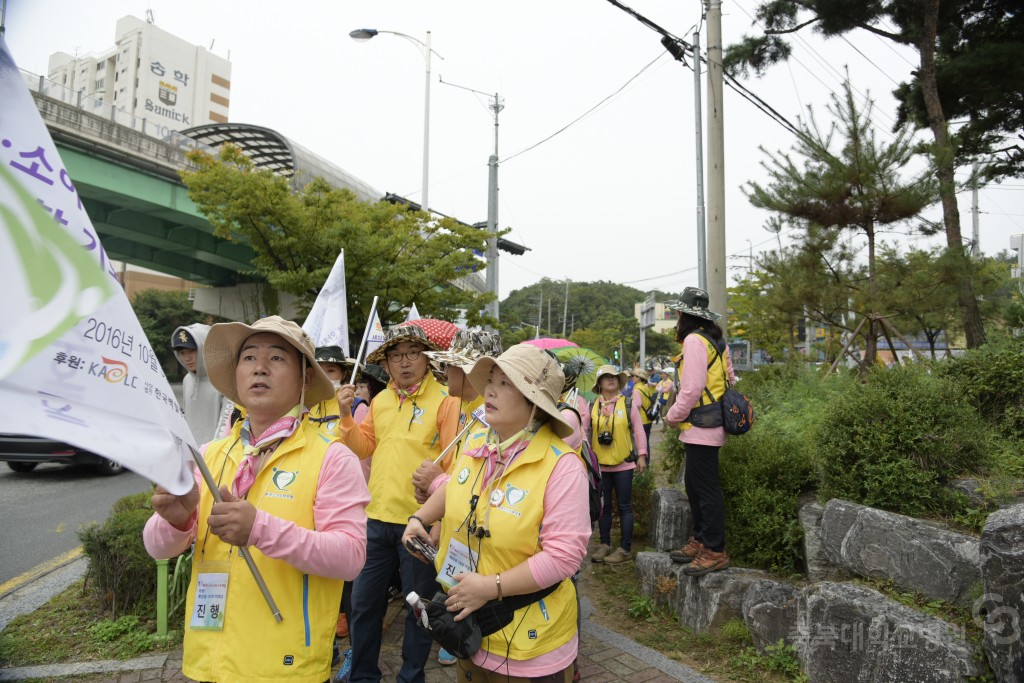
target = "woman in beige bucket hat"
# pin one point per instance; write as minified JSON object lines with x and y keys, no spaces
{"x":296,"y":498}
{"x":517,"y":508}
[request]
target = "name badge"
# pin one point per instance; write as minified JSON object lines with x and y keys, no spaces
{"x":459,"y":559}
{"x":211,"y":597}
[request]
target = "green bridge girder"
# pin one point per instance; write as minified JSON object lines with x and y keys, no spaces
{"x":149,"y":221}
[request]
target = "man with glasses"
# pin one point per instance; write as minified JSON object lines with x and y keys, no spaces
{"x":412,"y":420}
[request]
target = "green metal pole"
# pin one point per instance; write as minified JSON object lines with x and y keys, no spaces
{"x":161,"y":598}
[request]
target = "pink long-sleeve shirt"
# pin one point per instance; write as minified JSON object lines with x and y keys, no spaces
{"x":335,"y":548}
{"x":692,"y":381}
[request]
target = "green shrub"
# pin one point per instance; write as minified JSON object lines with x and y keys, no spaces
{"x":120,"y":570}
{"x":895,"y":441}
{"x":764,"y":472}
{"x":992,"y":379}
{"x":643,"y":501}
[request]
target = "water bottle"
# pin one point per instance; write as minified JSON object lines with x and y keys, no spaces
{"x":419,"y":610}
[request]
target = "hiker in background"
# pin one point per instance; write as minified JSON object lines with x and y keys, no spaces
{"x":618,"y":439}
{"x":701,"y":338}
{"x":292,"y":496}
{"x":529,"y":531}
{"x":205,"y":407}
{"x":412,"y":420}
{"x":666,"y":394}
{"x":645,"y":392}
{"x":332,"y":361}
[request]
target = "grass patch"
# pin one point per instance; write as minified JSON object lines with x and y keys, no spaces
{"x":76,"y":626}
{"x":725,"y":655}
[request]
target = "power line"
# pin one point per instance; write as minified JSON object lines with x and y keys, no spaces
{"x":586,"y":113}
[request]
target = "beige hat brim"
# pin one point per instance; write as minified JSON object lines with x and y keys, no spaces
{"x":220,"y":354}
{"x":516,"y":373}
{"x":602,"y":371}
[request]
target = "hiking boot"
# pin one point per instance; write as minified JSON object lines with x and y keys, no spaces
{"x":618,"y":557}
{"x":689,"y":551}
{"x":707,"y":561}
{"x":603,"y":551}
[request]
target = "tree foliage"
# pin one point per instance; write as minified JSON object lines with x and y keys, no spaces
{"x":848,"y":182}
{"x":979,"y":68}
{"x":400,"y":255}
{"x":914,"y":23}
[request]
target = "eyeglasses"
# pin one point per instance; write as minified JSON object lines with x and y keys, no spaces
{"x":397,"y":356}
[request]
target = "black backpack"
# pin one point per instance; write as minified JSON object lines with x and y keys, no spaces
{"x":733,"y":412}
{"x":592,"y":465}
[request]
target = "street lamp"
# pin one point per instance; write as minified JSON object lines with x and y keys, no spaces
{"x":364,"y":34}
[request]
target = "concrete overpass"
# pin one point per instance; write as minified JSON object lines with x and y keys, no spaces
{"x":125,"y":170}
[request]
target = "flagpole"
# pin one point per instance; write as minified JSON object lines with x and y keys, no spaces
{"x":472,"y":421}
{"x":362,"y":344}
{"x":215,"y":490}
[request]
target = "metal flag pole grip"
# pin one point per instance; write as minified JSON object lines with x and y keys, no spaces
{"x":362,"y":343}
{"x":215,"y":490}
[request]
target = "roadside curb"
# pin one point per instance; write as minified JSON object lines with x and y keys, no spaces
{"x":37,"y":592}
{"x":153,"y":662}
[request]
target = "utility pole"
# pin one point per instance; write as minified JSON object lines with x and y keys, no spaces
{"x":974,"y":211}
{"x":540,"y":314}
{"x":702,"y":250}
{"x":716,"y":163}
{"x":550,"y":326}
{"x":565,"y":309}
{"x":496,"y":105}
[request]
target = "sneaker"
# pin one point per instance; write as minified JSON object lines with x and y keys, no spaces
{"x":707,"y":561}
{"x":346,"y":668}
{"x":603,"y":551}
{"x":618,"y":557}
{"x":687,"y":552}
{"x":445,"y":658}
{"x":341,"y":630}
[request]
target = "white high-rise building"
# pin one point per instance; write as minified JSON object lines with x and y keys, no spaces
{"x":152,"y":74}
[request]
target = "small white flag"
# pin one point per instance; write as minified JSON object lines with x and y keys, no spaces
{"x":374,"y":335}
{"x":413,"y":314}
{"x":327,"y":322}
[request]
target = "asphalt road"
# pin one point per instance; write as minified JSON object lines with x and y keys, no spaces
{"x":41,"y":511}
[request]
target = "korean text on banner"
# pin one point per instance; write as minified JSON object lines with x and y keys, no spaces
{"x":327,"y":322}
{"x":77,"y":366}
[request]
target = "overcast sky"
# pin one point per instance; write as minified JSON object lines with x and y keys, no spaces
{"x":611,"y":197}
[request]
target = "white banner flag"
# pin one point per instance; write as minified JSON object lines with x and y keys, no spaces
{"x":327,"y":322}
{"x":75,"y":365}
{"x":374,"y":335}
{"x":413,"y":314}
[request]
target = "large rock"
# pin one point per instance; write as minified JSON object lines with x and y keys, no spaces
{"x":769,"y":608}
{"x":915,"y":555}
{"x":1002,"y":568}
{"x":849,"y":633}
{"x":671,"y":521}
{"x":819,"y":568}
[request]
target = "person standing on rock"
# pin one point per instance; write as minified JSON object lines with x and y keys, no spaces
{"x":700,"y":380}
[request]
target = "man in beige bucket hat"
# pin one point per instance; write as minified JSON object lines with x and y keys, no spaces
{"x":294,"y":498}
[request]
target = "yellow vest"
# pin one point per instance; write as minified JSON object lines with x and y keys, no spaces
{"x":253,"y":646}
{"x":407,"y":434}
{"x":514,"y":524}
{"x":715,"y":382}
{"x":622,"y":444}
{"x":327,"y":416}
{"x":646,"y":396}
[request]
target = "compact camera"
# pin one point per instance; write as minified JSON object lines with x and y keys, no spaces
{"x":605,"y":438}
